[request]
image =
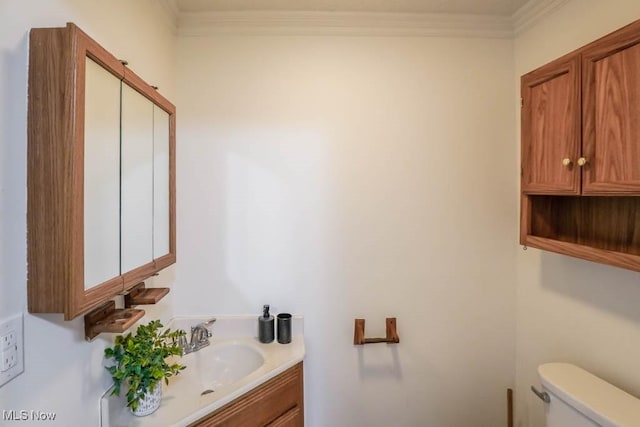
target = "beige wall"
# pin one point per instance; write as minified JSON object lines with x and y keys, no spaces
{"x":345,"y":177}
{"x":567,"y":309}
{"x":341,"y":177}
{"x":63,"y":373}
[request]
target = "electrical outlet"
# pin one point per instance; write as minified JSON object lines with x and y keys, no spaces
{"x":11,"y":348}
{"x":8,"y":358}
{"x":8,"y":340}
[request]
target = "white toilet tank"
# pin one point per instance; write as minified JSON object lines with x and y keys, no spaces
{"x":580,"y":399}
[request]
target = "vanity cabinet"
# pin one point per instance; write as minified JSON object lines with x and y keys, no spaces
{"x":580,"y":175}
{"x":100,"y":175}
{"x":277,"y":403}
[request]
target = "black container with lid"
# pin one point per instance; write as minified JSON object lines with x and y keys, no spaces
{"x":284,"y":328}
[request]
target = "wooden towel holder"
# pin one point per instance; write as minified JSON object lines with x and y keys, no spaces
{"x":392,"y":334}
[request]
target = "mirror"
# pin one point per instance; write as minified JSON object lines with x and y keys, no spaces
{"x":102,"y":175}
{"x":137,"y":180}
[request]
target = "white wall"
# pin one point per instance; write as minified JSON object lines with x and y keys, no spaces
{"x":63,"y":373}
{"x":568,"y":309}
{"x":342,"y":177}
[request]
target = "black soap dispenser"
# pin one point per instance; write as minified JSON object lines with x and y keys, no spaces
{"x":265,"y":325}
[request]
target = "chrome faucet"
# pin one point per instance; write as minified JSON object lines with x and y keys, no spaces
{"x":200,"y":335}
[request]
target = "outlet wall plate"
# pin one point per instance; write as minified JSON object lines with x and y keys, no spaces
{"x":11,"y":348}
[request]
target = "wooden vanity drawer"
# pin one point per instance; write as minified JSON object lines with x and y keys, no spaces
{"x":277,"y":403}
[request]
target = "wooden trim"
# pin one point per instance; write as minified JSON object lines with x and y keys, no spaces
{"x":525,"y":215}
{"x":146,"y":90}
{"x":618,"y":259}
{"x":137,"y":275}
{"x":164,"y":261}
{"x":172,"y":187}
{"x":77,"y":297}
{"x":509,"y":407}
{"x":97,"y":53}
{"x":87,"y":299}
{"x":48,"y":160}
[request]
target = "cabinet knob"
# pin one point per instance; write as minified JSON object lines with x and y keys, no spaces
{"x":566,"y":162}
{"x":582,"y":161}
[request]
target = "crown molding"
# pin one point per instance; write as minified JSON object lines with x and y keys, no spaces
{"x":190,"y":24}
{"x":532,"y":12}
{"x":343,"y":23}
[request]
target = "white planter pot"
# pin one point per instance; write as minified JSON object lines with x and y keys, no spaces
{"x":150,"y":402}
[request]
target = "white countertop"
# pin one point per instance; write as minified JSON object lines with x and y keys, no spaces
{"x":182,"y":402}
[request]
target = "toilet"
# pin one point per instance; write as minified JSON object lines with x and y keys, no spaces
{"x":575,"y":398}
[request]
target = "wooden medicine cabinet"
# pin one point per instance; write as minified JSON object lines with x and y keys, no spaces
{"x":100,"y":175}
{"x":580,"y":176}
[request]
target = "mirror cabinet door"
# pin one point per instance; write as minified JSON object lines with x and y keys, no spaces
{"x":101,"y":175}
{"x":160,"y":182}
{"x":137,"y":180}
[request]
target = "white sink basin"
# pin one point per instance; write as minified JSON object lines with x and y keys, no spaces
{"x":235,"y":363}
{"x":224,"y":363}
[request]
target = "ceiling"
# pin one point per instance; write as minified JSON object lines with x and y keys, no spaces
{"x":501,"y":8}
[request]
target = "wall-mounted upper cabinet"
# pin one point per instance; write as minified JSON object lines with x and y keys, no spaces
{"x":580,"y":130}
{"x":101,"y":175}
{"x":581,"y":137}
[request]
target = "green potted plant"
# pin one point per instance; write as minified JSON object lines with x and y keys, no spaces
{"x":140,"y":364}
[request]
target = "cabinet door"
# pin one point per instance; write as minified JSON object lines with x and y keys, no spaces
{"x":137,"y":181}
{"x":161,"y":213}
{"x":279,"y":402}
{"x":293,"y":418}
{"x":551,"y":128}
{"x":101,"y":175}
{"x":611,"y":112}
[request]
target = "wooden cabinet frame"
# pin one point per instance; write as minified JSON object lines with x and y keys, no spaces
{"x":55,"y":172}
{"x":589,"y":210}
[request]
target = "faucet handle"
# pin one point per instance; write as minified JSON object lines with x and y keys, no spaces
{"x":207,"y":324}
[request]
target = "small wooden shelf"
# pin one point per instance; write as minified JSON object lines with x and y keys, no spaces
{"x":107,"y":318}
{"x":141,"y":295}
{"x":602,"y":229}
